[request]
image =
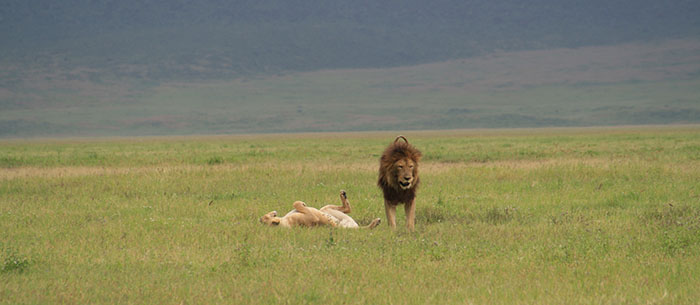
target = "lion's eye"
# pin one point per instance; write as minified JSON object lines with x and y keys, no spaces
{"x":399,"y":167}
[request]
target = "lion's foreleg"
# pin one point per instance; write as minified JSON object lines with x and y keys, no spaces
{"x":390,"y":209}
{"x":410,"y":209}
{"x":310,"y":218}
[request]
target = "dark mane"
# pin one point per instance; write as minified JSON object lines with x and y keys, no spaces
{"x":394,"y":152}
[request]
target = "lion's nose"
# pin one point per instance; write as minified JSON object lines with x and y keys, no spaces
{"x":407,"y":178}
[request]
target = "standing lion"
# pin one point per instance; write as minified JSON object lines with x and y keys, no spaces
{"x":398,"y":179}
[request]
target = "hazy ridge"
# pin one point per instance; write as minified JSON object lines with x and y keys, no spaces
{"x":192,"y":67}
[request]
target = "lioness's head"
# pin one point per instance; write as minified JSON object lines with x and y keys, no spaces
{"x":270,"y":219}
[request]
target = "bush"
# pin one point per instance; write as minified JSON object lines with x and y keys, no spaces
{"x":14,"y":262}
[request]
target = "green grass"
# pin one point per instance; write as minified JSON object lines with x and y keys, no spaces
{"x":504,"y":216}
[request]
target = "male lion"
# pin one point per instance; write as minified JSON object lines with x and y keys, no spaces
{"x":398,"y":179}
{"x":305,"y":216}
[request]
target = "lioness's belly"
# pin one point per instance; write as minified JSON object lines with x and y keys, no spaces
{"x":342,"y":219}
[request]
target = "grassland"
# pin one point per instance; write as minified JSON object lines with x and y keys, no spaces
{"x":587,"y":216}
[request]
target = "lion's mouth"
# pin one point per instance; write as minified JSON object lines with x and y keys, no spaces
{"x":405,"y":185}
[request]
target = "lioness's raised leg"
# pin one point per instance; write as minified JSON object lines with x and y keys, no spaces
{"x":341,"y":213}
{"x":346,"y":204}
{"x":345,"y":208}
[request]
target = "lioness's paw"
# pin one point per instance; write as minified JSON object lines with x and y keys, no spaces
{"x":343,"y":194}
{"x":375,"y":223}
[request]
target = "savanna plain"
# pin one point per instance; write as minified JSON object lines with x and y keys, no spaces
{"x":518,"y":216}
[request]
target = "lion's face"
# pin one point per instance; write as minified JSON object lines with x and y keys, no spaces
{"x":270,"y":219}
{"x":404,"y":171}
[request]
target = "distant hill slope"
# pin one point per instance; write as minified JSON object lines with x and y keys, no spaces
{"x":212,"y":39}
{"x":651,"y":83}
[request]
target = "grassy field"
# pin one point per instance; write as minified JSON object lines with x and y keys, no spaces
{"x":551,"y":216}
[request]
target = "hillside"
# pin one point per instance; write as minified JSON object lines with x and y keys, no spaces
{"x":608,"y":85}
{"x":103,"y":67}
{"x":185,"y":39}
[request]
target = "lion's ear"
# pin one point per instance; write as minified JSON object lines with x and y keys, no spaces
{"x":275,"y":222}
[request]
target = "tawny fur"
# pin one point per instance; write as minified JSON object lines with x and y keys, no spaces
{"x":399,"y":179}
{"x":305,"y":216}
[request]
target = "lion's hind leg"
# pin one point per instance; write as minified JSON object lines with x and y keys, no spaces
{"x":373,"y":224}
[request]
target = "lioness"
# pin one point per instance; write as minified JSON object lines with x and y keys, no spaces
{"x":398,"y":179}
{"x":306,"y":216}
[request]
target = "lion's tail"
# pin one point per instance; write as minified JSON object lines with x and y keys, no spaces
{"x":401,"y":137}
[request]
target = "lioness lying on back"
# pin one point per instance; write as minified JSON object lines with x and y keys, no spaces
{"x":305,"y":216}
